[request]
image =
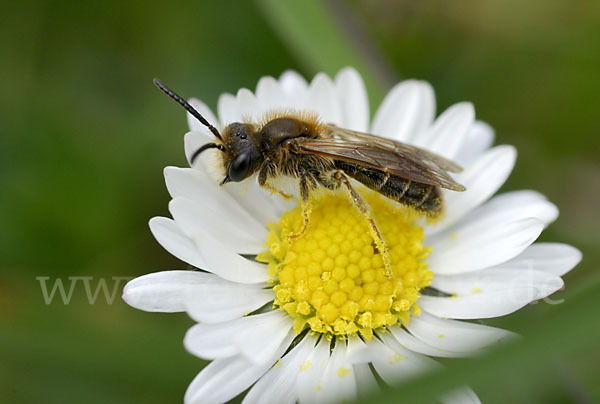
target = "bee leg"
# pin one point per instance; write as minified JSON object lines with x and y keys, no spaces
{"x":304,"y":205}
{"x":365,"y":210}
{"x":263,"y":176}
{"x":285,"y":196}
{"x":274,"y":191}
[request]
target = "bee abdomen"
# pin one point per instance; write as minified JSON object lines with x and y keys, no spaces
{"x":423,"y":197}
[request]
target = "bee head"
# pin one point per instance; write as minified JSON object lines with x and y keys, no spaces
{"x":242,"y":157}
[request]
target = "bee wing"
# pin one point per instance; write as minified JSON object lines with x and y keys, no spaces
{"x":427,"y":157}
{"x":401,"y":162}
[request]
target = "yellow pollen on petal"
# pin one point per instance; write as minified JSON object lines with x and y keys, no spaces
{"x":342,"y":372}
{"x":304,"y":367}
{"x":332,"y":278}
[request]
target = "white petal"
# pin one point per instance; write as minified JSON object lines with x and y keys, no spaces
{"x":482,"y":179}
{"x":366,"y":383}
{"x":193,"y":141}
{"x":197,"y":186}
{"x":228,"y":109}
{"x":504,"y":208}
{"x":164,"y":291}
{"x":485,"y":304}
{"x":223,"y":261}
{"x":206,"y":112}
{"x":248,"y":105}
{"x":224,"y":379}
{"x":213,"y":341}
{"x":513,"y":205}
{"x":455,"y":336}
{"x":254,"y":337}
{"x":279,"y":384}
{"x":407,"y":110}
{"x":311,"y":372}
{"x":295,"y":88}
{"x":257,"y":201}
{"x":353,"y":99}
{"x":194,"y":215}
{"x":412,"y":343}
{"x":323,"y":99}
{"x":221,"y":380}
{"x":390,"y":357}
{"x":263,"y":334}
{"x":394,"y":363}
{"x":338,"y":383}
{"x":552,"y":258}
{"x":245,"y":202}
{"x":448,"y":133}
{"x":206,"y":297}
{"x":479,"y":139}
{"x":222,"y":300}
{"x":270,"y":95}
{"x":482,"y":244}
{"x":497,"y":279}
{"x":463,"y":395}
{"x":358,"y":351}
{"x":204,"y":251}
{"x":174,"y":240}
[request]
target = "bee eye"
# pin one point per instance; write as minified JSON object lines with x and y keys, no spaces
{"x":238,"y":170}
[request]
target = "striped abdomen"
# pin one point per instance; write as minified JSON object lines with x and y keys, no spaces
{"x":423,"y":197}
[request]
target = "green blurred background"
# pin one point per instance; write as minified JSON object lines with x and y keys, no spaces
{"x":85,"y":136}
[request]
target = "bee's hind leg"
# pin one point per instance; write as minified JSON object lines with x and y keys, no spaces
{"x":365,"y":210}
{"x":304,"y":205}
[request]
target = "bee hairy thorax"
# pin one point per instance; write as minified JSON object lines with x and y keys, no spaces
{"x":278,"y":147}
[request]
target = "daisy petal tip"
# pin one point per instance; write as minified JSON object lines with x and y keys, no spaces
{"x":157,"y":222}
{"x":577,"y":255}
{"x":506,"y":337}
{"x":348,"y":73}
{"x":169,"y":171}
{"x":154,"y":222}
{"x":290,"y":73}
{"x":510,"y":152}
{"x":547,"y":289}
{"x":128,"y":295}
{"x":157,"y":292}
{"x":552,"y":213}
{"x":321,"y":77}
{"x":137,"y":298}
{"x":485,"y":128}
{"x":463,"y":109}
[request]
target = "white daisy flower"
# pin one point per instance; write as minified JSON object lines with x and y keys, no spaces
{"x":308,"y":319}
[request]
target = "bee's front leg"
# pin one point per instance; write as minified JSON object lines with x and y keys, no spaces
{"x":365,"y":210}
{"x":304,"y":204}
{"x":263,"y":179}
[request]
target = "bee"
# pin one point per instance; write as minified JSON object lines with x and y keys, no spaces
{"x":322,"y":155}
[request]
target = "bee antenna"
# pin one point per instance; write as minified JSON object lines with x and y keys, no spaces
{"x":205,"y":147}
{"x":187,"y":106}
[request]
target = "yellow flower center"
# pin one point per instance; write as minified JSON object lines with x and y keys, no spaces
{"x":332,"y":279}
